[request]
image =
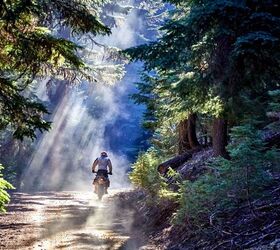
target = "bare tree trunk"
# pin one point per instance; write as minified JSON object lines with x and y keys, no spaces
{"x":220,"y":137}
{"x":187,"y":134}
{"x":192,"y":131}
{"x":183,"y":144}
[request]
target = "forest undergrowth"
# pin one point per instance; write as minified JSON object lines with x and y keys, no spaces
{"x":211,"y":177}
{"x":233,"y":203}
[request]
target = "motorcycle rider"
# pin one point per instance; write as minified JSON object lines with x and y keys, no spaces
{"x":104,"y":163}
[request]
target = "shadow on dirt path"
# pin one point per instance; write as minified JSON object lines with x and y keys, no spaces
{"x":67,"y":220}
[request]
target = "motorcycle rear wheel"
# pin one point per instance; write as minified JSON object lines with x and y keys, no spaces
{"x":100,"y":192}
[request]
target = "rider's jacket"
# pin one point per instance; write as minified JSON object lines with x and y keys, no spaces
{"x":103,"y":163}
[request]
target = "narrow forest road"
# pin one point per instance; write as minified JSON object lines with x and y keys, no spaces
{"x":67,"y":220}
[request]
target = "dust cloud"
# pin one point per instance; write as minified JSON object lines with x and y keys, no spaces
{"x":64,"y":155}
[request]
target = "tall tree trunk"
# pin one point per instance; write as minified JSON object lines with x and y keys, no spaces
{"x":187,"y":134}
{"x":192,"y":131}
{"x":183,"y":143}
{"x":220,"y":137}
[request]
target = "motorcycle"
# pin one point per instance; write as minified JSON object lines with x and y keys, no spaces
{"x":101,"y":183}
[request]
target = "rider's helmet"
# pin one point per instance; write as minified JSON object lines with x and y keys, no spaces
{"x":104,"y":154}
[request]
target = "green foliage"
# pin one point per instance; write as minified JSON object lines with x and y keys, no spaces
{"x":4,"y":196}
{"x":162,"y":113}
{"x":30,"y":50}
{"x":165,"y":139}
{"x":146,"y":176}
{"x":231,"y":182}
{"x":274,"y":104}
{"x":24,"y":115}
{"x":211,"y":59}
{"x":215,"y":59}
{"x":144,"y":173}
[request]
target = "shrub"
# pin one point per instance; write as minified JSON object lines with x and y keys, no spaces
{"x":4,"y":196}
{"x":144,"y":172}
{"x":242,"y":178}
{"x":145,"y":175}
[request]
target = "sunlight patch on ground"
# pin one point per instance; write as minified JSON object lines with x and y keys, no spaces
{"x":65,"y":220}
{"x":79,"y":219}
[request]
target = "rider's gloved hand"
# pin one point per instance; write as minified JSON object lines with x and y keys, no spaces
{"x":110,"y":173}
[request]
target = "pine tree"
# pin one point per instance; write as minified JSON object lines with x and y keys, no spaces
{"x":216,"y":52}
{"x":30,"y":50}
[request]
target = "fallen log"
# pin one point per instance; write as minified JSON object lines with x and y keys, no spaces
{"x":270,"y":138}
{"x":174,"y":162}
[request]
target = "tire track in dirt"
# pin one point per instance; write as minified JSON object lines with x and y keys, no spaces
{"x":66,"y":220}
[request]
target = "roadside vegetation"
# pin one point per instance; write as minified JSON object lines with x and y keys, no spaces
{"x":4,"y":186}
{"x":211,"y":88}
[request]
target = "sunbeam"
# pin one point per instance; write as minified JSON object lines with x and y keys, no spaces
{"x":80,"y":122}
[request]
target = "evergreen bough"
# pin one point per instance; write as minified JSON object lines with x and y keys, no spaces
{"x":232,"y":182}
{"x":4,"y":186}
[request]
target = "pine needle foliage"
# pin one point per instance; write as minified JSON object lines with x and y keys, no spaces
{"x":225,"y":45}
{"x":274,"y":105}
{"x":209,"y":55}
{"x":4,"y":196}
{"x":144,"y":173}
{"x":29,"y":50}
{"x":232,"y":182}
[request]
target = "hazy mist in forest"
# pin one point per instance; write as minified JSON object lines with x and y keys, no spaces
{"x":85,"y":122}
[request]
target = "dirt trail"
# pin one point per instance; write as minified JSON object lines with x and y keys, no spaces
{"x":66,"y":220}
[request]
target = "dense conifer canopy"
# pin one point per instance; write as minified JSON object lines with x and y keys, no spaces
{"x":29,"y":49}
